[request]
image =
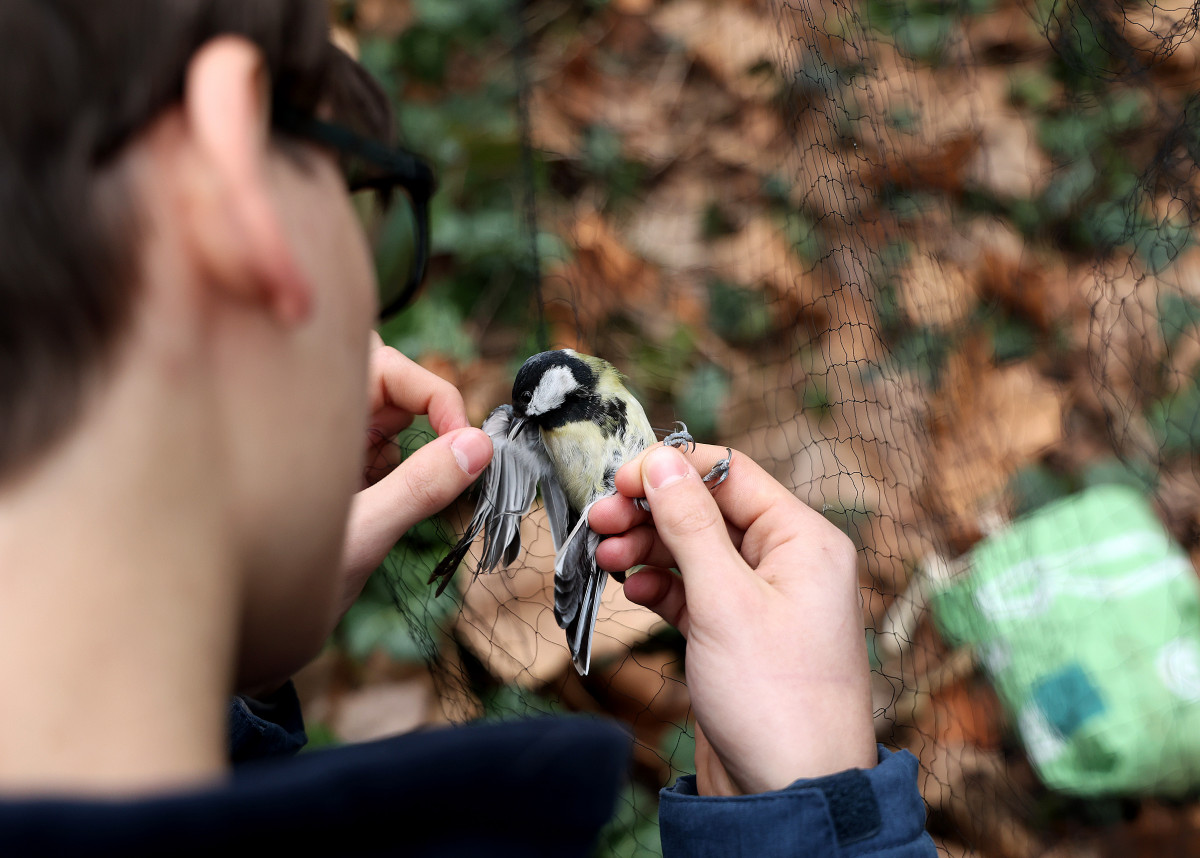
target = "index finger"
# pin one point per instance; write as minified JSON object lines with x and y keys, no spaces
{"x":747,"y":494}
{"x":399,"y":382}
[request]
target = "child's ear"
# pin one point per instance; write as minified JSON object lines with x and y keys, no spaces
{"x":238,"y":233}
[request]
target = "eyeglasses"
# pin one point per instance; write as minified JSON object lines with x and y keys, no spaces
{"x":391,"y":189}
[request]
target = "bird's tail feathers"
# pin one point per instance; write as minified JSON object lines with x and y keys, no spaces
{"x":578,"y":587}
{"x":581,"y":632}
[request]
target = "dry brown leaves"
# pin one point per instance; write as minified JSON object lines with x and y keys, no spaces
{"x":973,"y":789}
{"x":641,"y":108}
{"x":1009,"y":33}
{"x":987,"y":423}
{"x":1164,"y":34}
{"x":383,"y":17}
{"x":758,"y":255}
{"x":754,"y":138}
{"x":1035,"y":285}
{"x":1123,"y":345}
{"x":935,"y":292}
{"x":730,"y":39}
{"x":962,"y":131}
{"x":606,"y":278}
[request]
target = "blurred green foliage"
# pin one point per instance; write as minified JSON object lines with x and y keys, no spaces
{"x":922,"y":29}
{"x":1013,"y":338}
{"x":737,"y":314}
{"x":433,"y":324}
{"x":506,"y":702}
{"x":816,"y":397}
{"x":853,"y":519}
{"x":923,"y":351}
{"x":452,"y":79}
{"x":1177,"y":315}
{"x":802,"y":236}
{"x":701,"y":398}
{"x":1090,"y":111}
{"x":1174,"y":417}
{"x":604,"y":161}
{"x":1175,"y":420}
{"x":633,"y":830}
{"x":1036,"y":485}
{"x":1041,"y":483}
{"x":1096,"y":200}
{"x":397,"y":612}
{"x":319,"y":736}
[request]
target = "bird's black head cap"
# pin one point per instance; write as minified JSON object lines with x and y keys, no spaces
{"x":548,"y":381}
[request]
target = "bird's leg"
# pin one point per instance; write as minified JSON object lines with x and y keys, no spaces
{"x":682,"y":439}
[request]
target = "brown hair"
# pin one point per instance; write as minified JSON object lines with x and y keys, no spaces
{"x":78,"y":78}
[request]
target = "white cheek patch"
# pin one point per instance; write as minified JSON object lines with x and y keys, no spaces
{"x":552,"y":390}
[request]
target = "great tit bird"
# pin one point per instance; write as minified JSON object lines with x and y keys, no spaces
{"x":571,"y":426}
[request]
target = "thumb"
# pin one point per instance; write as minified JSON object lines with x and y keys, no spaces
{"x":423,"y":484}
{"x":687,"y":519}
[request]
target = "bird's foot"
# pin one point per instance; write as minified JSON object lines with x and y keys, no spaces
{"x":720,"y":470}
{"x":681,"y":438}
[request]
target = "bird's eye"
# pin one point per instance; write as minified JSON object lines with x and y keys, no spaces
{"x":526,"y":396}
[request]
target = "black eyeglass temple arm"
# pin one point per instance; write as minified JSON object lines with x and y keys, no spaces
{"x":399,"y":166}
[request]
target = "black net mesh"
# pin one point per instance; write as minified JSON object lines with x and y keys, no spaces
{"x":932,"y":264}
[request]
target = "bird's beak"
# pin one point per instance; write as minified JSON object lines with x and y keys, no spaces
{"x":516,"y":427}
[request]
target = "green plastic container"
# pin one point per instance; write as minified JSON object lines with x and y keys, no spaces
{"x":1086,"y":616}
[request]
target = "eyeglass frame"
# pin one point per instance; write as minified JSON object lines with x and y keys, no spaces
{"x":398,"y":168}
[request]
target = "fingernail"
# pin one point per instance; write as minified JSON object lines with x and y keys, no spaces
{"x":665,"y":466}
{"x":472,"y":450}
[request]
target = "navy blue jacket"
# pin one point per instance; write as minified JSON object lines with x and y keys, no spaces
{"x":858,"y":812}
{"x":528,"y":788}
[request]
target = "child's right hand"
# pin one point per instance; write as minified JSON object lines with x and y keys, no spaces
{"x":768,"y":599}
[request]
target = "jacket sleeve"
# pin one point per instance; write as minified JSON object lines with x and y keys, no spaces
{"x":269,"y":727}
{"x":859,"y":812}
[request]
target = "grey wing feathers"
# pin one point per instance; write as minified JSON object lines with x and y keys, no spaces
{"x":508,"y":487}
{"x":578,"y":586}
{"x":557,"y":508}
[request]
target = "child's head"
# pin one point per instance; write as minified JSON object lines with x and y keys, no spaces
{"x":149,"y":207}
{"x":82,"y":78}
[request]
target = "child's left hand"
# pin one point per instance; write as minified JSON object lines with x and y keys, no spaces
{"x":396,"y":495}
